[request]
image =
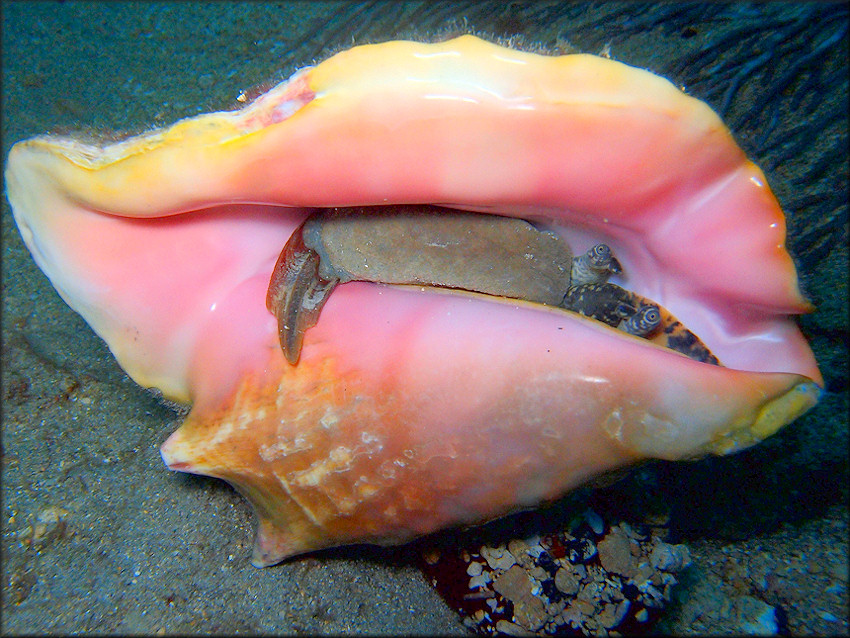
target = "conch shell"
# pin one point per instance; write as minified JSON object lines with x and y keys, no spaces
{"x":412,"y":409}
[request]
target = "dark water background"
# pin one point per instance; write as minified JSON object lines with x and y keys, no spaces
{"x":145,"y":550}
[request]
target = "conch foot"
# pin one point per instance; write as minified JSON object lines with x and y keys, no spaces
{"x":432,"y":246}
{"x":418,"y":245}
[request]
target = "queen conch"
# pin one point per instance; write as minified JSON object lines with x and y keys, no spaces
{"x":417,"y":407}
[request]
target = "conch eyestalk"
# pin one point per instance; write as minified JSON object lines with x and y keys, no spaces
{"x":415,"y":408}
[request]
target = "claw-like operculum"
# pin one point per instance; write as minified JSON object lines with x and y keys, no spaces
{"x":297,"y":294}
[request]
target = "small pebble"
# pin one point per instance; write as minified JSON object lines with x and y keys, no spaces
{"x":613,"y":614}
{"x":580,"y":571}
{"x":480,"y":581}
{"x":755,"y":617}
{"x":497,"y":557}
{"x":516,"y":586}
{"x":670,"y":558}
{"x":586,"y":607}
{"x":508,"y":628}
{"x":581,"y":550}
{"x":615,"y":554}
{"x":50,"y":525}
{"x":595,"y":521}
{"x":513,"y":584}
{"x":538,"y":573}
{"x":535,"y":548}
{"x":644,"y":572}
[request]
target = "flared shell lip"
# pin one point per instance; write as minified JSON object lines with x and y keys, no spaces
{"x":66,"y":166}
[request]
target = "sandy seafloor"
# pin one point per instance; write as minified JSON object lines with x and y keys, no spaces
{"x":144,"y":550}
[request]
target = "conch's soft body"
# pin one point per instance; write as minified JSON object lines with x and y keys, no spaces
{"x":411,"y":408}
